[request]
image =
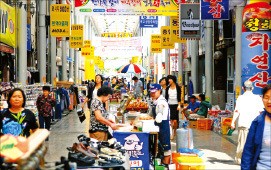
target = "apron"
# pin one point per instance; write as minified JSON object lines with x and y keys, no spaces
{"x":164,"y":131}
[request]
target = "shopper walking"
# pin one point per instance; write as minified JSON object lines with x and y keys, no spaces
{"x":138,"y":87}
{"x":257,"y":150}
{"x":248,"y":107}
{"x":92,"y":90}
{"x":173,"y":96}
{"x":45,"y":104}
{"x":161,"y":115}
{"x":16,"y":120}
{"x":99,"y":121}
{"x":164,"y":83}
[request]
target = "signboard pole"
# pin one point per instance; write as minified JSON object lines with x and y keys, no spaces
{"x":209,"y":59}
{"x":167,"y":60}
{"x":53,"y":54}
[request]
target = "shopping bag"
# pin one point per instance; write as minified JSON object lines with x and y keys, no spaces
{"x":81,"y":115}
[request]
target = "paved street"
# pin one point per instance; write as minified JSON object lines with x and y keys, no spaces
{"x":218,"y":151}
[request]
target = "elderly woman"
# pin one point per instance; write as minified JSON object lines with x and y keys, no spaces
{"x":99,"y":121}
{"x":16,"y":120}
{"x":257,"y":150}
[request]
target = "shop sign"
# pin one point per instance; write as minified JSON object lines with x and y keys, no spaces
{"x":137,"y":147}
{"x":7,"y":22}
{"x":148,"y":21}
{"x":156,"y":43}
{"x":117,"y":34}
{"x":190,"y":20}
{"x":257,"y":17}
{"x":60,"y":20}
{"x":86,"y":50}
{"x":174,"y":30}
{"x":127,"y":7}
{"x":76,"y":38}
{"x":215,"y":9}
{"x":256,"y":61}
{"x":29,"y":37}
{"x":165,"y":38}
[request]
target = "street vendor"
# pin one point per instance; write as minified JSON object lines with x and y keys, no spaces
{"x":161,"y":113}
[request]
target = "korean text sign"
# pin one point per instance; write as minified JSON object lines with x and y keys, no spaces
{"x":76,"y":38}
{"x":127,"y":7}
{"x":165,"y":38}
{"x":60,"y":20}
{"x":7,"y":22}
{"x":156,"y":43}
{"x":174,"y":30}
{"x":256,"y":41}
{"x":137,"y":147}
{"x":214,"y":9}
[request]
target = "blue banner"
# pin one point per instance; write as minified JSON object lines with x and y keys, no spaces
{"x":148,"y":21}
{"x":214,"y":10}
{"x":256,"y":61}
{"x":137,"y":147}
{"x":28,"y":37}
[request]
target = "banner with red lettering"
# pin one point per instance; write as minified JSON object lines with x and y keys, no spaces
{"x":256,"y":41}
{"x":214,"y":9}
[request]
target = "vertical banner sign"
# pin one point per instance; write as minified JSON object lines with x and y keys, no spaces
{"x":214,"y":9}
{"x":60,"y":20}
{"x":174,"y":30}
{"x":148,"y":21}
{"x":86,"y":50}
{"x":165,"y":38}
{"x":29,"y":47}
{"x":137,"y":147}
{"x":190,"y":20}
{"x":7,"y":24}
{"x":76,"y":38}
{"x":256,"y":41}
{"x":156,"y":43}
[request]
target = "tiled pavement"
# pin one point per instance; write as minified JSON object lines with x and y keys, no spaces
{"x":218,"y":150}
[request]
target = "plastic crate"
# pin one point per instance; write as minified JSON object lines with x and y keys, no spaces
{"x":214,"y":112}
{"x":191,"y":163}
{"x":193,"y":124}
{"x":204,"y":124}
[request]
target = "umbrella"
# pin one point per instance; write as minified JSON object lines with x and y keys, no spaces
{"x":131,"y":68}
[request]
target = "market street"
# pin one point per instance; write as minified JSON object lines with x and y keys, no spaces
{"x":218,"y":151}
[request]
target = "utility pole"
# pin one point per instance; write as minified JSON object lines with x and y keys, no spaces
{"x":166,"y":53}
{"x":42,"y":41}
{"x":194,"y":46}
{"x":209,"y":59}
{"x":22,"y":46}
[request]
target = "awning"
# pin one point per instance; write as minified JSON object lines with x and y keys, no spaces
{"x":6,"y":49}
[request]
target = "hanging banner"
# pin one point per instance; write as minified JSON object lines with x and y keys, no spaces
{"x":256,"y":18}
{"x":174,"y":30}
{"x":60,"y":20}
{"x":148,"y":21}
{"x":256,"y":61}
{"x":29,"y":47}
{"x":190,"y":20}
{"x":123,"y":7}
{"x":136,"y":146}
{"x":124,"y":42}
{"x":215,"y":9}
{"x":156,"y":43}
{"x":7,"y":24}
{"x":86,"y":50}
{"x":76,"y":38}
{"x":165,"y":38}
{"x":116,"y":34}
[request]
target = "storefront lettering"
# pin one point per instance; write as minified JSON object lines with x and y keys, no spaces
{"x":191,"y":25}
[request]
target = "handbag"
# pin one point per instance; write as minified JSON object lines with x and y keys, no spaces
{"x":81,"y":115}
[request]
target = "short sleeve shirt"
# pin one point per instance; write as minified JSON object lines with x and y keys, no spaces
{"x":95,"y":125}
{"x":193,"y":106}
{"x":138,"y":86}
{"x":17,"y":124}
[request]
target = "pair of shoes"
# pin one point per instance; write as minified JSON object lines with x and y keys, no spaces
{"x":81,"y":148}
{"x":81,"y":159}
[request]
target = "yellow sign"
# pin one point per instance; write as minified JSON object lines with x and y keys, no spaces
{"x":165,"y":38}
{"x":86,"y":50}
{"x":156,"y":43}
{"x":76,"y":38}
{"x":174,"y":30}
{"x":60,"y":20}
{"x":117,"y":34}
{"x":136,"y":60}
{"x":7,"y":22}
{"x":89,"y":68}
{"x":237,"y":91}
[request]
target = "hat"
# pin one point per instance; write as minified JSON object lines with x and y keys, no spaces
{"x":248,"y":84}
{"x":48,"y":88}
{"x":192,"y":97}
{"x":155,"y":87}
